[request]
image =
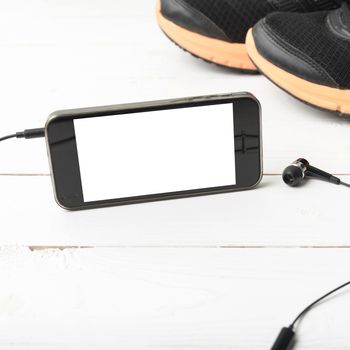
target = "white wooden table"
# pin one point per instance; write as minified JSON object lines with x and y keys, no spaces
{"x":218,"y":272}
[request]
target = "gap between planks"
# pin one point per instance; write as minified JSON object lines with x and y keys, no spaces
{"x":35,"y":248}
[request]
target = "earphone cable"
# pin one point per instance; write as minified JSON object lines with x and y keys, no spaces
{"x":344,"y":184}
{"x":286,"y":336}
{"x":7,"y":137}
{"x":308,"y":308}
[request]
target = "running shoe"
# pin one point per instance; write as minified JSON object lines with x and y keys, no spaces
{"x":307,"y":55}
{"x":215,"y":30}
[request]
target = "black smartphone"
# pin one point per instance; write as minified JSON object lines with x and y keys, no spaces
{"x":142,"y":152}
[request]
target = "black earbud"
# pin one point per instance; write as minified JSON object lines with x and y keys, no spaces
{"x":297,"y":171}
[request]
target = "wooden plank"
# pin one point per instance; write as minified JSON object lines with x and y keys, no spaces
{"x":170,"y":298}
{"x":58,"y":55}
{"x":315,"y":214}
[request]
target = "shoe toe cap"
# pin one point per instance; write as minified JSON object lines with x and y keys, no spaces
{"x":280,"y":51}
{"x":183,"y":14}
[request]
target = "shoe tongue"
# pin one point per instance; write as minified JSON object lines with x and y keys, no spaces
{"x":345,"y":15}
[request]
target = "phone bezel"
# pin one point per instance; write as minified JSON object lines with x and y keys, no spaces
{"x":64,"y":162}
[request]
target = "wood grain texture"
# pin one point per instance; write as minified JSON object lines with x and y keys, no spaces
{"x":170,"y":298}
{"x":169,"y":284}
{"x":315,"y":214}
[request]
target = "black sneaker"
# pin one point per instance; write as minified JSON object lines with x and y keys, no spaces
{"x":215,"y":30}
{"x":307,"y":55}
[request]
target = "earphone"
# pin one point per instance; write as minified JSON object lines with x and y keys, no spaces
{"x":295,"y":173}
{"x":293,"y":176}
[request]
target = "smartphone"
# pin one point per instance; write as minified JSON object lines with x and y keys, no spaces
{"x":140,"y":152}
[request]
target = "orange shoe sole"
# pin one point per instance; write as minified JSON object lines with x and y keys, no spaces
{"x":324,"y":97}
{"x":212,"y":50}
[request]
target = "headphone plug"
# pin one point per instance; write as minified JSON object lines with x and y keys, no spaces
{"x":26,"y":134}
{"x":284,"y":339}
{"x":31,"y":133}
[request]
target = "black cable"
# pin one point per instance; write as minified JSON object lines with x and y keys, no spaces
{"x":286,"y":336}
{"x":26,"y":134}
{"x":316,"y":302}
{"x":7,"y":137}
{"x":344,"y":184}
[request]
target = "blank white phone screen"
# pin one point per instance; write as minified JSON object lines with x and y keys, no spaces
{"x":156,"y":152}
